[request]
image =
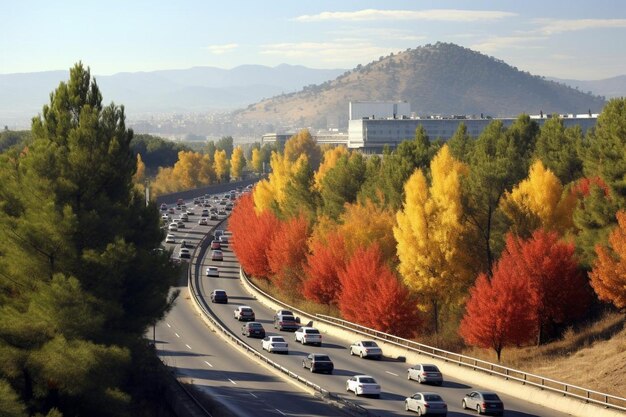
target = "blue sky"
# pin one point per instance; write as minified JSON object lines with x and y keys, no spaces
{"x":566,"y":39}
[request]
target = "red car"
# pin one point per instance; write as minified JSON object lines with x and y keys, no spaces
{"x":215,"y":244}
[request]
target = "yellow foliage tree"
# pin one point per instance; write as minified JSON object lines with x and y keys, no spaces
{"x":206,"y":174}
{"x":164,"y":182}
{"x":220,"y":164}
{"x":256,"y":163}
{"x":608,"y":277}
{"x":237,"y":162}
{"x":329,"y":160}
{"x":140,"y":173}
{"x":303,"y":143}
{"x":539,"y":201}
{"x":270,"y":193}
{"x":431,"y":236}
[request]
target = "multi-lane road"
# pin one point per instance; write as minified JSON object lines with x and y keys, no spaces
{"x":184,"y":342}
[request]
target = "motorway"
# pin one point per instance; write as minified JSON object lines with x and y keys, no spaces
{"x":183,"y":341}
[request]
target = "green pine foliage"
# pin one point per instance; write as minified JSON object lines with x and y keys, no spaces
{"x":79,"y":279}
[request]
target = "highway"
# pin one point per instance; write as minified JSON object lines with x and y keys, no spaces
{"x":212,"y":363}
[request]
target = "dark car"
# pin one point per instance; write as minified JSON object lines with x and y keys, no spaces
{"x":317,"y":362}
{"x":484,"y":402}
{"x":253,"y":329}
{"x":286,"y":323}
{"x":219,"y":296}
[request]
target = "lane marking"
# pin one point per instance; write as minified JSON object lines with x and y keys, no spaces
{"x":233,"y":382}
{"x":253,"y":395}
{"x":280,"y":411}
{"x":168,"y":325}
{"x":208,"y":364}
{"x":391,"y":373}
{"x":177,"y":335}
{"x":188,"y":347}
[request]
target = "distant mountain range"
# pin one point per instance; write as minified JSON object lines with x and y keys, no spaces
{"x":436,"y":79}
{"x":444,"y":79}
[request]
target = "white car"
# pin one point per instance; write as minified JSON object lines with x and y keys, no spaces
{"x":165,"y":218}
{"x":244,"y":313}
{"x":275,"y":344}
{"x":426,"y":403}
{"x":184,"y":217}
{"x":212,"y":271}
{"x":363,"y":385}
{"x":366,"y":348}
{"x":203,"y":221}
{"x":180,"y":223}
{"x":173,"y":227}
{"x":184,"y":253}
{"x":308,"y":335}
{"x":170,"y":238}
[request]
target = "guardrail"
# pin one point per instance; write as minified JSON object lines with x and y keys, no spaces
{"x":587,"y":395}
{"x":193,"y":276}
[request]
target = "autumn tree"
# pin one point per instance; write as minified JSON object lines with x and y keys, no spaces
{"x":539,"y":201}
{"x":373,"y":296}
{"x":608,"y":277}
{"x":323,"y":262}
{"x":496,"y":313}
{"x":225,"y":144}
{"x":329,"y":160}
{"x":256,"y":162}
{"x":270,"y":193}
{"x":237,"y":162}
{"x":342,"y":183}
{"x":430,"y":235}
{"x":140,"y":171}
{"x":287,"y":253}
{"x":252,"y":234}
{"x":220,"y":164}
{"x":301,"y":198}
{"x":302,"y":143}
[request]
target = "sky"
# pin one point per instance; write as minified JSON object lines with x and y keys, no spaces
{"x":573,"y":39}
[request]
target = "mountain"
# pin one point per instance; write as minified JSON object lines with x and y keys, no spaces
{"x":436,"y":79}
{"x":608,"y":87}
{"x":198,"y":89}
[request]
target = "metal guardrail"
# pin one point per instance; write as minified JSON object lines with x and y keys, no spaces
{"x":587,"y":395}
{"x":193,"y":276}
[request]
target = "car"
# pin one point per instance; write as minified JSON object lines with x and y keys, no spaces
{"x":204,"y":213}
{"x":253,"y":329}
{"x":184,"y":253}
{"x":203,"y":221}
{"x":180,"y":202}
{"x":212,"y":271}
{"x":317,"y":362}
{"x":288,"y":323}
{"x":196,"y":200}
{"x":426,"y":403}
{"x":170,"y":238}
{"x":484,"y":402}
{"x":165,"y":218}
{"x":183,"y":208}
{"x":224,"y":240}
{"x":190,"y":211}
{"x":244,"y":313}
{"x":366,"y":349}
{"x":275,"y":344}
{"x":184,"y":244}
{"x":229,"y":207}
{"x":173,"y":227}
{"x":213,"y":216}
{"x":163,"y":206}
{"x":425,"y":373}
{"x":221,"y":214}
{"x":218,"y":233}
{"x":363,"y":385}
{"x":215,"y":244}
{"x":184,"y":217}
{"x":308,"y":335}
{"x":217,"y":255}
{"x":171,"y":210}
{"x":219,"y":296}
{"x":180,"y":223}
{"x":283,"y":313}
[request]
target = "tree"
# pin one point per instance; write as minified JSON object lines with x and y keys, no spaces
{"x":430,"y":236}
{"x":237,"y":162}
{"x":270,"y":193}
{"x":287,"y":253}
{"x":321,"y":270}
{"x":220,"y":164}
{"x":140,"y":171}
{"x":256,"y":162}
{"x":342,"y":183}
{"x":460,"y":144}
{"x":210,"y":148}
{"x":225,"y":144}
{"x":301,"y":199}
{"x":252,"y":234}
{"x":389,"y":308}
{"x":329,"y":160}
{"x":608,"y":277}
{"x":558,"y":149}
{"x":79,"y":279}
{"x":496,"y":315}
{"x":302,"y":143}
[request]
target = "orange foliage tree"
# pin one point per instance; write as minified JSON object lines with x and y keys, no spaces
{"x":287,"y":253}
{"x":372,"y":295}
{"x":608,"y":277}
{"x":252,"y":235}
{"x":321,"y":269}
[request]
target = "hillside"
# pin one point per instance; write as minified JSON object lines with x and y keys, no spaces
{"x":436,"y":79}
{"x":608,"y":87}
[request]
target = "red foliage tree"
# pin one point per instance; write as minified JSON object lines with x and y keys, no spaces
{"x":287,"y":253}
{"x":321,"y":270}
{"x":608,"y":277}
{"x":582,"y":187}
{"x":252,"y":235}
{"x":496,"y":314}
{"x":373,"y":296}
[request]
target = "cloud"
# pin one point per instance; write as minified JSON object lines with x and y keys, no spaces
{"x":222,"y":49}
{"x":497,"y":43}
{"x":443,"y":15}
{"x":388,"y":33}
{"x":553,"y":26}
{"x":340,"y":52}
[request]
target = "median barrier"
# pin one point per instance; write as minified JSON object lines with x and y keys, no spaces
{"x":563,"y":397}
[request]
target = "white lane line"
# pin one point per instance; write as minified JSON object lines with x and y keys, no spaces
{"x":253,"y":395}
{"x":208,"y":364}
{"x":188,"y":347}
{"x":177,"y":335}
{"x":233,"y":382}
{"x":280,"y":411}
{"x":168,"y":325}
{"x":391,"y":373}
